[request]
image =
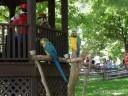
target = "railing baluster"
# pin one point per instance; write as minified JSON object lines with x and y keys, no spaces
{"x":24,"y":43}
{"x":19,"y":42}
{"x":8,"y":45}
{"x":3,"y":39}
{"x":13,"y":43}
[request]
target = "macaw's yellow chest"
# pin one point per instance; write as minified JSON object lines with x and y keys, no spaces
{"x":74,"y":43}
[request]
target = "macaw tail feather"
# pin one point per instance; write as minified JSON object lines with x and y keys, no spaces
{"x":60,"y":70}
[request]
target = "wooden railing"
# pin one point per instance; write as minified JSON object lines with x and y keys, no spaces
{"x":14,"y":44}
{"x":58,"y":38}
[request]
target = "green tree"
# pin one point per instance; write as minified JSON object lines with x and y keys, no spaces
{"x":106,"y":23}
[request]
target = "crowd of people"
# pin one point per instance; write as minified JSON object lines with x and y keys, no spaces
{"x":106,"y":63}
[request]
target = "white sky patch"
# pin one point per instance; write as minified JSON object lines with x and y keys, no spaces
{"x":83,"y":8}
{"x":79,"y":30}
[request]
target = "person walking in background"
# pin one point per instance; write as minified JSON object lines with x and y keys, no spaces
{"x":110,"y":63}
{"x":123,"y":63}
{"x":118,"y":61}
{"x":126,"y":60}
{"x":116,"y":67}
{"x":97,"y":61}
{"x":87,"y":57}
{"x":105,"y":64}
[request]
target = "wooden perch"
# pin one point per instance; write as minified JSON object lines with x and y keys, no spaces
{"x":62,"y":60}
{"x":32,"y":53}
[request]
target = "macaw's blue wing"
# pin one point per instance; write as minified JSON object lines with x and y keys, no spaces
{"x":49,"y":48}
{"x":60,"y":69}
{"x":78,"y":45}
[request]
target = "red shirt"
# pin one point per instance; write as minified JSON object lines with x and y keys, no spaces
{"x":22,"y":19}
{"x":126,"y":59}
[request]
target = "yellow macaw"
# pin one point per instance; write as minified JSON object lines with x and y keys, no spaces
{"x":75,"y":43}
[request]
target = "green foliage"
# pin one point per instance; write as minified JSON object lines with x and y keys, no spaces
{"x":41,"y":8}
{"x":4,"y":15}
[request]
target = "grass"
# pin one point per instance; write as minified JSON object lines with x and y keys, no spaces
{"x":116,"y":87}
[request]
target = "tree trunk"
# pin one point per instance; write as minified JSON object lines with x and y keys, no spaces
{"x":126,"y":48}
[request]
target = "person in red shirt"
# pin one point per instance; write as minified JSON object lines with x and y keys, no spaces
{"x":126,"y":59}
{"x":21,"y":19}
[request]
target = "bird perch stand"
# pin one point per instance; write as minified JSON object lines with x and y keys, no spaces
{"x":32,"y":53}
{"x":76,"y":64}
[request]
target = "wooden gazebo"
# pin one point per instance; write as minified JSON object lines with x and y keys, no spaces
{"x":18,"y":74}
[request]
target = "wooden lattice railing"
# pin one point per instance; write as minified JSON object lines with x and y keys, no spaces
{"x":13,"y":44}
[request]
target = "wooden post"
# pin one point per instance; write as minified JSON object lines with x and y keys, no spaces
{"x":51,"y":13}
{"x":31,"y":20}
{"x":85,"y":78}
{"x":64,"y":12}
{"x":105,"y":75}
{"x":74,"y":73}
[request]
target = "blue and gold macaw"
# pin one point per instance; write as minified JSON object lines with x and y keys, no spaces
{"x":51,"y":51}
{"x":75,"y":43}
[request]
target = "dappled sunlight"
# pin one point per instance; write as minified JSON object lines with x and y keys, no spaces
{"x":84,"y":8}
{"x":117,"y":94}
{"x":92,"y":87}
{"x":124,"y":79}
